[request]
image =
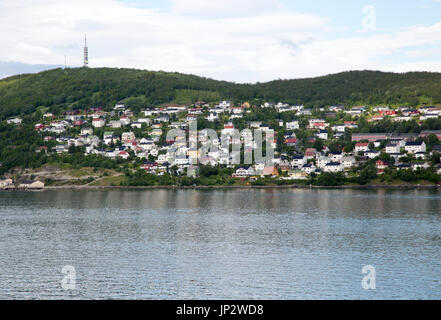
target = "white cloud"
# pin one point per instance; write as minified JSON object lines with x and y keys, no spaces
{"x":224,"y":8}
{"x":244,"y":40}
{"x":423,"y":53}
{"x":429,"y":66}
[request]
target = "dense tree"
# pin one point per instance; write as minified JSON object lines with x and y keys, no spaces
{"x":80,"y":88}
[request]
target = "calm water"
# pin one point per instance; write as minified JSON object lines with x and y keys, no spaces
{"x":226,"y":244}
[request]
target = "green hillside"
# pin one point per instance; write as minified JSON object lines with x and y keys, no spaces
{"x":64,"y":89}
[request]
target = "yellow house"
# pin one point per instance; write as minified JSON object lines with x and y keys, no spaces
{"x":156,"y":132}
{"x":298,"y":175}
{"x":193,"y":153}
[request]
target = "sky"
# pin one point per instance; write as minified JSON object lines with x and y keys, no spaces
{"x":234,"y":40}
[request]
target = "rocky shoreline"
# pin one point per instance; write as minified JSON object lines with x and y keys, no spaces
{"x":241,"y":187}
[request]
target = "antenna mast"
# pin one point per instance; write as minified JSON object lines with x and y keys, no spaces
{"x":86,"y":53}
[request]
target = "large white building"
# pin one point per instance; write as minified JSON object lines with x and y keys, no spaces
{"x":98,"y":123}
{"x":333,"y":167}
{"x":414,"y":147}
{"x":293,"y":125}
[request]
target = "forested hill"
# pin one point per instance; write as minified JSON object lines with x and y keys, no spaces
{"x":64,"y":89}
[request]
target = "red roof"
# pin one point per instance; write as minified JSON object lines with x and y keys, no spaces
{"x":291,"y":140}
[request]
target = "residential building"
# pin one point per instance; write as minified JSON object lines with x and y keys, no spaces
{"x":415,"y":146}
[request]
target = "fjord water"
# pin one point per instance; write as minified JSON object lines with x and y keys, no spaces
{"x":221,"y":244}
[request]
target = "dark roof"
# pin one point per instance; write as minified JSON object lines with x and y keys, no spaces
{"x":414,"y":143}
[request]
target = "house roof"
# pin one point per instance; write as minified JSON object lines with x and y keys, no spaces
{"x":414,"y":143}
{"x":291,"y":140}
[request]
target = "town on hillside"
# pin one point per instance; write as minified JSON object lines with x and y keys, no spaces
{"x":331,"y":145}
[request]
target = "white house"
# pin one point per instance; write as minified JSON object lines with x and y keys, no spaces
{"x":86,"y":131}
{"x":182,"y":160}
{"x":144,"y":120}
{"x":298,"y":161}
{"x":419,"y":165}
{"x":212,"y":117}
{"x":255,"y":124}
{"x":128,"y":136}
{"x":339,"y":128}
{"x":228,"y":129}
{"x":348,"y":162}
{"x":322,"y":162}
{"x":225,"y":104}
{"x":414,"y":147}
{"x":243,"y":172}
{"x":123,"y":154}
{"x":335,"y":156}
{"x":420,"y":155}
{"x":309,"y":168}
{"x":392,"y":148}
{"x":124,"y":121}
{"x":333,"y":167}
{"x":115,"y":124}
{"x":293,"y":125}
{"x":136,"y":125}
{"x":322,"y":134}
{"x":361,"y":147}
{"x":98,"y":123}
{"x":371,"y":154}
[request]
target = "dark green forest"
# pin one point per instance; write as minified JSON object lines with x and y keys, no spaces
{"x":59,"y":90}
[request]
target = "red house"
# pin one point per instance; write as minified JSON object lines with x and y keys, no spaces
{"x":291,"y":142}
{"x":381,"y":165}
{"x":387,"y":112}
{"x":39,"y":126}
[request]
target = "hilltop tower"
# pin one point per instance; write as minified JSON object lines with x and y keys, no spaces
{"x":86,"y":54}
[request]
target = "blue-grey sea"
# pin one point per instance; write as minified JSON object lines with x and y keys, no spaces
{"x":220,"y":244}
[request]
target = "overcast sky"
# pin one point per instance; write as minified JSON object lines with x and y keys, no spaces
{"x":236,"y":40}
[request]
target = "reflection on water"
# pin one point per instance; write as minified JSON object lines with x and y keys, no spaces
{"x":223,"y":244}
